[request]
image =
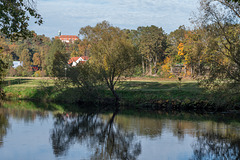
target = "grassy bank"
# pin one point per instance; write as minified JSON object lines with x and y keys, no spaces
{"x":152,"y":93}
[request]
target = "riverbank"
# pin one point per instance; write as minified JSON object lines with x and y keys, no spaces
{"x":145,"y":93}
{"x":58,"y":108}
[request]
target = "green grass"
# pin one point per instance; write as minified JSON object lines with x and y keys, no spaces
{"x":167,"y":90}
{"x":24,"y":88}
{"x":26,"y":82}
{"x":133,"y":92}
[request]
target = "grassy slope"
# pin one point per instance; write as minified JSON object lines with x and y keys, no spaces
{"x":141,"y":92}
{"x":166,"y":90}
{"x":136,"y":90}
{"x":25,"y":88}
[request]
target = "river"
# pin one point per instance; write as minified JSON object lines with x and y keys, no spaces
{"x":29,"y":132}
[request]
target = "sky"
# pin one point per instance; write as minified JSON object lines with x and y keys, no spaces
{"x":69,"y":16}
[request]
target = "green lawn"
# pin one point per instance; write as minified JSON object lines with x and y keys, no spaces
{"x":25,"y":88}
{"x":142,"y":91}
{"x":135,"y":90}
{"x":132,"y":92}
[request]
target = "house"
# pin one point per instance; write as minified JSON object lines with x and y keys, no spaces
{"x":75,"y":60}
{"x":17,"y":64}
{"x":66,"y":38}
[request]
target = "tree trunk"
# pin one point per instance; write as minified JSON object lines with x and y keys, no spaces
{"x":117,"y":99}
{"x":150,"y":68}
{"x":191,"y":70}
{"x":143,"y":67}
{"x":199,"y":68}
{"x":155,"y":65}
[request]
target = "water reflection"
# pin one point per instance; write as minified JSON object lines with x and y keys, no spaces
{"x":216,"y":146}
{"x":4,"y":125}
{"x":107,"y":139}
{"x":28,"y":116}
{"x":114,"y":135}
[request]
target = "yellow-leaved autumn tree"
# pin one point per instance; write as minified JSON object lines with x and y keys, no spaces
{"x":112,"y":53}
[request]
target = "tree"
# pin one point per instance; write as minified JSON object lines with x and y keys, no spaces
{"x":221,"y":20}
{"x":60,"y":63}
{"x":173,"y":40}
{"x":3,"y":67}
{"x":112,"y":53}
{"x":26,"y":60}
{"x":57,"y":46}
{"x":153,"y":43}
{"x":14,"y":18}
{"x":37,"y":59}
{"x":15,"y":15}
{"x":238,"y":1}
{"x":84,"y":47}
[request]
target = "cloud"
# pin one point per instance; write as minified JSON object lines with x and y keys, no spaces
{"x":71,"y":15}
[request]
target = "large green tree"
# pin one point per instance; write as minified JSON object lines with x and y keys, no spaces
{"x":56,"y":46}
{"x":14,"y":19}
{"x":15,"y":16}
{"x":113,"y":53}
{"x":153,"y":43}
{"x":3,"y":67}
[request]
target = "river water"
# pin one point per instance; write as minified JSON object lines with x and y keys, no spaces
{"x":30,"y":133}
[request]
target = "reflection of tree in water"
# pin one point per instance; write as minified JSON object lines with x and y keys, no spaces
{"x":108,"y":139}
{"x":4,"y":125}
{"x":216,"y":146}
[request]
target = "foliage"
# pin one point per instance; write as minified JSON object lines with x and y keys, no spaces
{"x":113,"y":54}
{"x":3,"y":68}
{"x":88,"y":81}
{"x":223,"y":38}
{"x":56,"y":46}
{"x":15,"y":15}
{"x":26,"y":59}
{"x":153,"y":43}
{"x":36,"y":59}
{"x":60,"y":64}
{"x":173,"y":40}
{"x":166,"y":69}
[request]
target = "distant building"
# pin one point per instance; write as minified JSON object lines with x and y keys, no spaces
{"x":75,"y":60}
{"x":17,"y":64}
{"x":66,"y":38}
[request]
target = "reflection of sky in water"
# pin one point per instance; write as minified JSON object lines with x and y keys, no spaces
{"x":166,"y":147}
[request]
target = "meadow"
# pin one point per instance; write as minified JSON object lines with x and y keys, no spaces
{"x":145,"y":92}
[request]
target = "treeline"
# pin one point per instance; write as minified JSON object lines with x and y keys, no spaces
{"x":194,"y":51}
{"x":157,"y":51}
{"x":209,"y":52}
{"x":37,"y":50}
{"x":210,"y":49}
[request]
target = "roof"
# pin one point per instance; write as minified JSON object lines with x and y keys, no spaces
{"x":73,"y":59}
{"x":85,"y":58}
{"x":67,"y":37}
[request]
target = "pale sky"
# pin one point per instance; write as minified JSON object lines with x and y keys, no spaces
{"x":69,"y":16}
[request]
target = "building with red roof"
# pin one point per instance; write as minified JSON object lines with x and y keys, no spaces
{"x":66,"y":38}
{"x":75,"y":60}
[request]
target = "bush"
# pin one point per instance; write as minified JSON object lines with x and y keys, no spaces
{"x":37,"y":73}
{"x":12,"y":72}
